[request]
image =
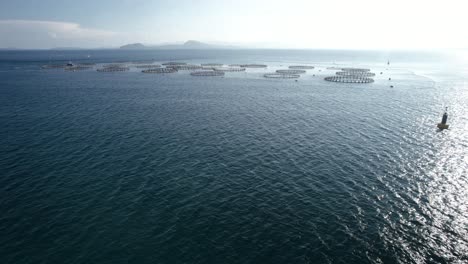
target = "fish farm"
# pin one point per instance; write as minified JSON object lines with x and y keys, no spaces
{"x":301,"y":67}
{"x":113,"y":69}
{"x":212,"y":64}
{"x":281,"y":76}
{"x":343,"y":74}
{"x":356,"y":73}
{"x":174,"y":63}
{"x":291,"y":71}
{"x":160,"y":70}
{"x":253,"y":65}
{"x":229,"y":69}
{"x":207,"y":73}
{"x":187,"y":67}
{"x":349,"y":79}
{"x":78,"y":68}
{"x":148,"y":66}
{"x":54,"y":66}
{"x":355,"y":69}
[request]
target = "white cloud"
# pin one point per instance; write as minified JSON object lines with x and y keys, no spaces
{"x":48,"y":34}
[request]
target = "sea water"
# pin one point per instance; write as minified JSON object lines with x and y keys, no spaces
{"x":129,"y":167}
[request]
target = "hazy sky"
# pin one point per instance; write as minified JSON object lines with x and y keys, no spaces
{"x":353,"y":24}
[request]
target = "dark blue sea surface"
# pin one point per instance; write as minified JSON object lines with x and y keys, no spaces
{"x":129,"y":167}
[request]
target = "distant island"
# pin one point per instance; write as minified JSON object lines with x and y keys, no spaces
{"x":190,"y":44}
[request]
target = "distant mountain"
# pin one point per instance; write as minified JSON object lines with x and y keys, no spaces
{"x":134,"y":46}
{"x":190,"y":44}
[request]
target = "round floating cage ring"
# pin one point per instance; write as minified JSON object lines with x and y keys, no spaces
{"x":253,"y":66}
{"x":349,"y":79}
{"x":78,"y":68}
{"x":148,"y":66}
{"x":229,"y":69}
{"x":355,"y":69}
{"x":187,"y":67}
{"x":212,"y":64}
{"x":356,"y":73}
{"x":207,"y":73}
{"x":291,"y":71}
{"x":301,"y":67}
{"x":160,"y":70}
{"x":172,"y":63}
{"x":281,"y":76}
{"x":114,"y":65}
{"x":113,"y":69}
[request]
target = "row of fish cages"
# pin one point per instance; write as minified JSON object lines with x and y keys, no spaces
{"x":203,"y":69}
{"x":349,"y":79}
{"x":160,"y":70}
{"x":351,"y":75}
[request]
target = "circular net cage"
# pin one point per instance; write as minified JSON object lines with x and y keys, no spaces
{"x":356,"y":73}
{"x":185,"y":67}
{"x":207,"y":73}
{"x":54,"y":66}
{"x":253,"y":65}
{"x":148,"y":66}
{"x":349,"y":79}
{"x":114,"y":65}
{"x":229,"y":69}
{"x":160,"y":70}
{"x":301,"y":67}
{"x":113,"y":69}
{"x":291,"y":71}
{"x":171,"y":63}
{"x":355,"y":69}
{"x":281,"y":76}
{"x":212,"y":64}
{"x":78,"y":68}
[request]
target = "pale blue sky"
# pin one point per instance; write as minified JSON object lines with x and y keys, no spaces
{"x":353,"y":24}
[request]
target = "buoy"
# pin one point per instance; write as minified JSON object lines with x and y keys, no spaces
{"x":443,"y":124}
{"x":391,"y":86}
{"x":389,"y":79}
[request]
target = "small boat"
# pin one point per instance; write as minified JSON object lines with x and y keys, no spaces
{"x":443,"y":125}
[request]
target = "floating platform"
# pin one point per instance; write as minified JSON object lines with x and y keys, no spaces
{"x":253,"y":65}
{"x":349,"y":79}
{"x":291,"y":71}
{"x":442,"y":126}
{"x":160,"y":70}
{"x":301,"y":67}
{"x":281,"y":76}
{"x":207,"y":73}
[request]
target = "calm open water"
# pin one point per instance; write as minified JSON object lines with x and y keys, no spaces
{"x":141,"y":168}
